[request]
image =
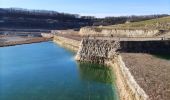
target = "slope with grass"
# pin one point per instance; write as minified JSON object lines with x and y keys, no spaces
{"x":155,"y":24}
{"x":148,"y":28}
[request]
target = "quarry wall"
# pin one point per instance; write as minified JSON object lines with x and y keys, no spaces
{"x":118,"y":32}
{"x":100,"y":50}
{"x":107,"y":52}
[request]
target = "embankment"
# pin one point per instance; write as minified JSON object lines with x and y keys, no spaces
{"x":67,"y":42}
{"x":127,"y":86}
{"x":151,"y":72}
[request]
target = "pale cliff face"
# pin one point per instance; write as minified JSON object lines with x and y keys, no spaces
{"x":117,"y":32}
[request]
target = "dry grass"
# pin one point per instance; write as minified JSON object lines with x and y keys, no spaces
{"x":160,"y":23}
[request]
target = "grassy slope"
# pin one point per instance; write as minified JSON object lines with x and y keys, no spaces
{"x":160,"y":23}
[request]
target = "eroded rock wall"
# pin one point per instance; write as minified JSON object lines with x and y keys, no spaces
{"x":96,"y":50}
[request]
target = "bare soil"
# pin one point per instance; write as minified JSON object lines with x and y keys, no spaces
{"x":151,"y":73}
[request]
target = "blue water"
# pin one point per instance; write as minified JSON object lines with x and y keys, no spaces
{"x":45,"y":71}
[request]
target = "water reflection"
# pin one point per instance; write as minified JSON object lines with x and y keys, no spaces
{"x":95,"y":72}
{"x":45,"y":71}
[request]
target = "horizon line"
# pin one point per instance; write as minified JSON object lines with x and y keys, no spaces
{"x":96,"y":15}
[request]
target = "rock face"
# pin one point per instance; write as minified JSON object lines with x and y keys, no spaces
{"x":96,"y":51}
{"x":89,"y":31}
{"x":102,"y":50}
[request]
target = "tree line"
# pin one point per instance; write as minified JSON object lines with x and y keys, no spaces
{"x":24,"y":18}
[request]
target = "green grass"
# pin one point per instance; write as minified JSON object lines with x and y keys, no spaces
{"x":159,"y":23}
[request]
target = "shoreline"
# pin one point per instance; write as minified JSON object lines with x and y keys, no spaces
{"x":28,"y":41}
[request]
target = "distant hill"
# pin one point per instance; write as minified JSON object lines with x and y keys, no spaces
{"x":42,"y":19}
{"x":158,"y":23}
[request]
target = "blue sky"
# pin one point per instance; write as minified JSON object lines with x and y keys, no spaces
{"x":98,"y":8}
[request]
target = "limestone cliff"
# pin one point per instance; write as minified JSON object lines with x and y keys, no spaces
{"x":92,"y":31}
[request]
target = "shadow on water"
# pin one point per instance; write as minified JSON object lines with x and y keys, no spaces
{"x":95,"y":72}
{"x":162,"y":56}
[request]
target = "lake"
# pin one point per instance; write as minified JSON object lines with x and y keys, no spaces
{"x":46,"y":71}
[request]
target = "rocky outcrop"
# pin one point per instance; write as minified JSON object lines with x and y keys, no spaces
{"x":91,"y":31}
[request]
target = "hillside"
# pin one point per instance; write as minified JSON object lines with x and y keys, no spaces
{"x":159,"y":27}
{"x":18,"y":18}
{"x":159,"y":23}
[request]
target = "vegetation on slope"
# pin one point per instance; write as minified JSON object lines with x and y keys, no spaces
{"x":159,"y":23}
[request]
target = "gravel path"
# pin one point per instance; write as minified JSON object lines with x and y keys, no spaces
{"x":151,"y":73}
